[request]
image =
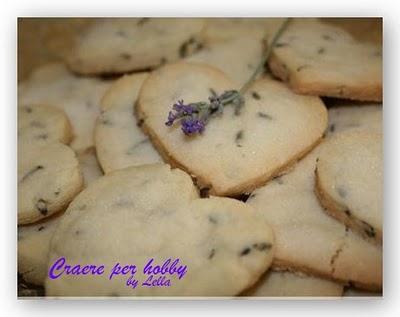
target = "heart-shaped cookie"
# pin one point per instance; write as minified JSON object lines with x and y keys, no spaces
{"x":153,"y":212}
{"x":236,"y":152}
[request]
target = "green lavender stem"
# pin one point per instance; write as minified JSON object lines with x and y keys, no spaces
{"x":266,"y":56}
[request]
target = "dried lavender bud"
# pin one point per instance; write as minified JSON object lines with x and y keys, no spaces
{"x":41,"y":205}
{"x":193,"y":117}
{"x":341,"y":191}
{"x":245,"y":251}
{"x":255,"y":95}
{"x":32,"y":171}
{"x":300,"y":68}
{"x":264,"y":115}
{"x":327,"y":37}
{"x":211,"y":255}
{"x":125,"y":56}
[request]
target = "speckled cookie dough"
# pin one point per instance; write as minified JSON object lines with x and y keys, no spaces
{"x":119,"y":140}
{"x":78,"y":97}
{"x":323,"y":60}
{"x":349,"y":181}
{"x":293,"y":284}
{"x":121,"y":45}
{"x":149,"y":212}
{"x":307,"y":238}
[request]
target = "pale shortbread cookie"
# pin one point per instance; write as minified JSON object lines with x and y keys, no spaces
{"x":33,"y":249}
{"x":355,"y":117}
{"x":307,"y":238}
{"x":236,"y":152}
{"x":49,"y":177}
{"x":78,"y":97}
{"x":119,"y":141}
{"x":324,"y":60}
{"x":43,"y":124}
{"x":125,"y":44}
{"x":34,"y":240}
{"x":238,"y":58}
{"x":349,"y":179}
{"x":293,"y":284}
{"x":154,"y":212}
{"x":227,"y":29}
{"x":48,"y":171}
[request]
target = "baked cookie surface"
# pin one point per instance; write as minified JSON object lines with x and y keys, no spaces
{"x":294,"y":284}
{"x":49,"y":177}
{"x":78,"y":97}
{"x":125,"y":44}
{"x":119,"y":141}
{"x":237,"y":151}
{"x":324,"y":60}
{"x":48,"y":170}
{"x":33,"y":249}
{"x":34,"y":239}
{"x":43,"y":124}
{"x":349,"y":178}
{"x":307,"y":238}
{"x":154,"y":212}
{"x":237,"y":58}
{"x":349,"y":116}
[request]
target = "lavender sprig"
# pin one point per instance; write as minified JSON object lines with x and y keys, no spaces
{"x":193,"y":117}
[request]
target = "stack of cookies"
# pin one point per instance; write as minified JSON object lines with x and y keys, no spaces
{"x":279,"y":197}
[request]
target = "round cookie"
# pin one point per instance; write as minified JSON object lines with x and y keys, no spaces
{"x":315,"y":59}
{"x":238,"y":58}
{"x":349,"y":116}
{"x":242,"y":150}
{"x":126,"y":44}
{"x":34,"y":239}
{"x":307,"y":238}
{"x":42,"y":124}
{"x":223,"y":244}
{"x":293,"y":284}
{"x":349,"y":177}
{"x":119,"y":141}
{"x":78,"y":97}
{"x":49,"y":177}
{"x":33,"y":249}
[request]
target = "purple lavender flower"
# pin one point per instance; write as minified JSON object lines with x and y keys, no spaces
{"x":183,"y":109}
{"x":191,"y":126}
{"x":179,"y":110}
{"x":193,"y":117}
{"x":171,"y":118}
